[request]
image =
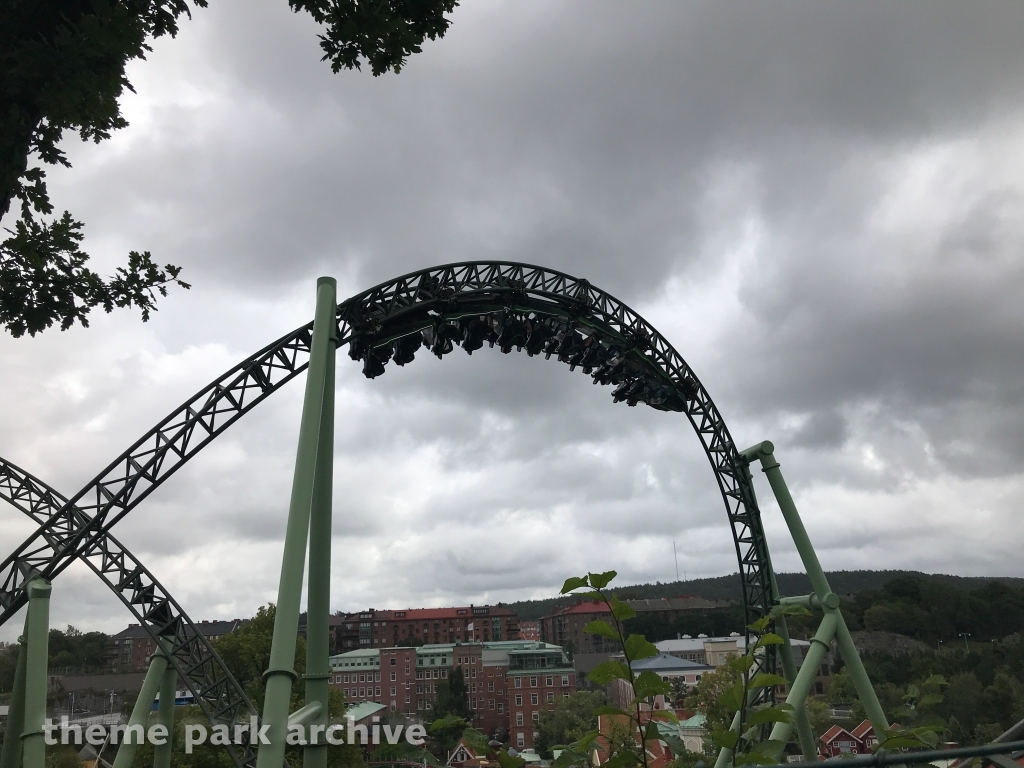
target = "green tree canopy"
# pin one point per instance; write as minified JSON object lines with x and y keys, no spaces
{"x":569,"y":720}
{"x":63,"y":68}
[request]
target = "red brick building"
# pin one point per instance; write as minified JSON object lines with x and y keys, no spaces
{"x":564,"y":627}
{"x":406,"y":680}
{"x":129,"y":650}
{"x":430,"y":626}
{"x":537,"y":678}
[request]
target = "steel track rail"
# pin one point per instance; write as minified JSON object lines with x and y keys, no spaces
{"x":215,"y":689}
{"x":420,"y":301}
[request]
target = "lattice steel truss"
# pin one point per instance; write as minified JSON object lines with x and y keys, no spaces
{"x":512,"y":306}
{"x":196,"y":662}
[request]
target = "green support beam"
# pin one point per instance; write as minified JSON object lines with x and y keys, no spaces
{"x":140,"y":712}
{"x":10,"y":756}
{"x":165,"y":717}
{"x":824,"y":597}
{"x":281,"y":673}
{"x":37,"y":637}
{"x":318,"y":604}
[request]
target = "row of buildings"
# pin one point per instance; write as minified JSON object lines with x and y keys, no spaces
{"x":130,"y":649}
{"x":508,"y":682}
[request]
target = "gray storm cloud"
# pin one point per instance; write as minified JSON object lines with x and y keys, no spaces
{"x":820,"y":206}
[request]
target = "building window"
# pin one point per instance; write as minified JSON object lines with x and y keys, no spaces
{"x":519,"y":682}
{"x":501,"y":707}
{"x":551,"y":696}
{"x":536,"y":717}
{"x":520,"y":740}
{"x":407,"y":698}
{"x":533,"y":698}
{"x":565,"y":679}
{"x":519,"y":699}
{"x":548,"y":680}
{"x":519,"y":718}
{"x":490,"y":703}
{"x":565,"y":695}
{"x":394,"y":691}
{"x":490,"y":687}
{"x":533,"y":682}
{"x":394,"y":676}
{"x":394,"y":661}
{"x":377,"y":692}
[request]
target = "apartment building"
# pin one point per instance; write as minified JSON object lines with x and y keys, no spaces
{"x":406,"y":680}
{"x":129,"y":650}
{"x":431,"y":626}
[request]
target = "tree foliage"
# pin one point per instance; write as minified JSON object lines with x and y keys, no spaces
{"x":63,"y":68}
{"x":571,"y":719}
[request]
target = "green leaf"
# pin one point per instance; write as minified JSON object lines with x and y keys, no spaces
{"x":929,"y":699}
{"x":761,"y":624}
{"x":769,"y":715}
{"x":601,"y":627}
{"x":638,"y":647}
{"x":675,"y":743}
{"x":507,"y":761}
{"x":604,"y":673}
{"x":725,"y":739}
{"x":591,"y":596}
{"x":732,"y":699}
{"x":740,"y":663}
{"x":572,"y":583}
{"x":600,"y":580}
{"x":763,"y":754}
{"x":622,"y":759}
{"x":621,"y":610}
{"x":766,"y":680}
{"x":650,"y":684}
{"x":769,"y":638}
{"x":788,"y":610}
{"x":665,"y":714}
{"x":448,"y":721}
{"x":476,"y":741}
{"x":936,"y":680}
{"x":609,"y":710}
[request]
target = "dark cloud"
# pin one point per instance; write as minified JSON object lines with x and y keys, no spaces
{"x":819,"y":205}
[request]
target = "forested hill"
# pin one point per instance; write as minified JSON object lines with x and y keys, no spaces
{"x":844,"y":583}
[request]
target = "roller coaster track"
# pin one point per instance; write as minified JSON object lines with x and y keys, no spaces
{"x":196,"y":662}
{"x":502,"y":304}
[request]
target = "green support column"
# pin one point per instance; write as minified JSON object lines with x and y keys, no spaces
{"x":165,"y":717}
{"x":143,"y":706}
{"x":37,"y":636}
{"x":828,"y":601}
{"x":803,"y":724}
{"x":801,"y":686}
{"x":318,"y":608}
{"x":10,"y":756}
{"x":281,"y":673}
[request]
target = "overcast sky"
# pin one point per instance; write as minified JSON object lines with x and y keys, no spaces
{"x":820,"y":205}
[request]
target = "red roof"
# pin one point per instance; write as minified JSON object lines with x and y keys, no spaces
{"x":833,"y":733}
{"x":861,"y":730}
{"x":584,"y":606}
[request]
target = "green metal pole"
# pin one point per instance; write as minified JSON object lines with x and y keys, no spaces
{"x":140,"y":712}
{"x":801,"y":686}
{"x":724,"y":754}
{"x":281,"y":673}
{"x":10,"y":756}
{"x":803,"y":724}
{"x":165,"y":717}
{"x":828,"y":600}
{"x":318,"y":607}
{"x":37,"y":634}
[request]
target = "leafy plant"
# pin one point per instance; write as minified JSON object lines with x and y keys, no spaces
{"x":626,"y":744}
